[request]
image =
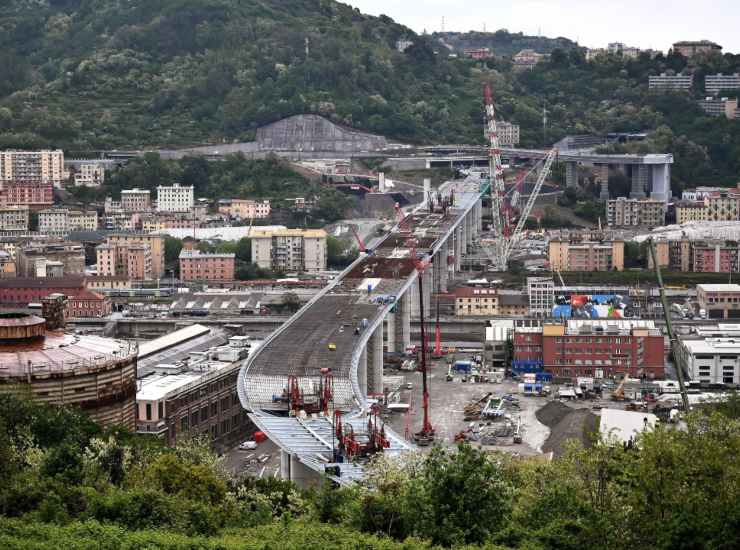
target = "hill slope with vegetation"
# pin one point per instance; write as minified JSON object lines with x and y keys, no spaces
{"x":90,"y":74}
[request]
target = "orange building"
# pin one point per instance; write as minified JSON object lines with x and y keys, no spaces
{"x":201,"y":266}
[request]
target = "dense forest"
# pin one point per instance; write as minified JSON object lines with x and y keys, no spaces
{"x":89,"y":74}
{"x":65,"y":483}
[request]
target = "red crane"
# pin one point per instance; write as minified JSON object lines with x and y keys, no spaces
{"x":360,"y":242}
{"x":426,"y":435}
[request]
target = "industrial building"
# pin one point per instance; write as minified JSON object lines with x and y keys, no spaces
{"x":94,"y":373}
{"x":290,"y":250}
{"x":720,"y":301}
{"x":711,"y":356}
{"x":598,"y":348}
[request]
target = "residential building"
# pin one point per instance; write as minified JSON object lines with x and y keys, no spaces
{"x":131,"y":260}
{"x":693,"y":48}
{"x":700,"y":193}
{"x":7,"y":265}
{"x":478,"y":53}
{"x":136,"y":200}
{"x":716,"y":83}
{"x":88,"y":303}
{"x":32,"y":166}
{"x":527,"y":59}
{"x":699,"y":256}
{"x":719,"y":106}
{"x":512,"y":303}
{"x":508,"y":133}
{"x":691,"y":211}
{"x":290,"y":250}
{"x":155,"y":243}
{"x":720,"y":301}
{"x":711,"y":360}
{"x":598,"y":348}
{"x":89,"y":174}
{"x":670,"y":83}
{"x":31,"y":260}
{"x":471,"y":302}
{"x":105,"y":283}
{"x":54,"y":221}
{"x":200,"y":266}
{"x":244,"y":209}
{"x":196,"y":398}
{"x":14,"y":218}
{"x":541,"y":292}
{"x":723,"y":206}
{"x":624,"y":212}
{"x":79,"y":220}
{"x":620,"y":49}
{"x":579,"y":254}
{"x":175,"y":198}
{"x":35,"y":195}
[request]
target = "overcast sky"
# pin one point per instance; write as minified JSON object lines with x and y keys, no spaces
{"x":594,"y":23}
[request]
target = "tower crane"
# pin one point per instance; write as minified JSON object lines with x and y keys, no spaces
{"x":503,"y":242}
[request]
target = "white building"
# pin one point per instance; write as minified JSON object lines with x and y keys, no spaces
{"x":711,"y":360}
{"x":175,"y":198}
{"x":90,"y":174}
{"x":716,"y":83}
{"x":54,"y":221}
{"x":670,"y":83}
{"x":32,"y":166}
{"x":699,"y":194}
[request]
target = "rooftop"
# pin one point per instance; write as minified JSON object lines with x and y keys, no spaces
{"x":712,"y":345}
{"x":308,"y":233}
{"x":198,"y":254}
{"x":718,"y":287}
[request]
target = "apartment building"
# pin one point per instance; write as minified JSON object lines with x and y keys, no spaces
{"x":578,"y":254}
{"x":716,"y":83}
{"x":79,"y":220}
{"x":720,"y":301}
{"x":719,"y":106}
{"x":670,"y":83}
{"x":31,"y":260}
{"x":14,"y":218}
{"x":136,"y":200}
{"x":691,"y":211}
{"x":130,"y":260}
{"x":35,"y":195}
{"x":154,"y":242}
{"x":200,"y":266}
{"x":290,"y":250}
{"x":699,"y":256}
{"x":175,"y":198}
{"x":693,"y":48}
{"x":599,"y":348}
{"x":60,"y":221}
{"x":508,"y":133}
{"x":32,"y":166}
{"x":624,"y":212}
{"x":244,"y":209}
{"x":723,"y":206}
{"x":89,"y":174}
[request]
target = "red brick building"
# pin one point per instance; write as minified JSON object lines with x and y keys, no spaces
{"x":35,"y":195}
{"x":81,"y":302}
{"x":87,"y":303}
{"x":200,"y":266}
{"x":593,"y":348}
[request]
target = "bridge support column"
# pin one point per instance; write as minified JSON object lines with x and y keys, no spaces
{"x":300,"y":474}
{"x":402,"y":323}
{"x":639,"y":181}
{"x":375,"y":362}
{"x":660,"y":182}
{"x":458,"y":248}
{"x":571,"y":174}
{"x":443,"y":267}
{"x":601,"y":172}
{"x":390,"y":331}
{"x":413,"y":297}
{"x":362,"y":372}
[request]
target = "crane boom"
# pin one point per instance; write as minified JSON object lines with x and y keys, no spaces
{"x":496,"y":173}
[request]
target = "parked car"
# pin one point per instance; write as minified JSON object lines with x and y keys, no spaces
{"x":248,"y":446}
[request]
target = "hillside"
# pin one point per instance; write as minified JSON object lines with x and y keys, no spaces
{"x":503,"y":43}
{"x":89,"y":74}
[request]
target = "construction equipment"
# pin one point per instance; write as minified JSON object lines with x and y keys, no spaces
{"x":352,"y":445}
{"x":669,"y":325}
{"x":505,"y":241}
{"x":426,"y":435}
{"x":360,"y":242}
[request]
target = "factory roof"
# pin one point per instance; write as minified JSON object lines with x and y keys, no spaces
{"x":171,"y":339}
{"x":718,"y":287}
{"x":158,"y":386}
{"x":712,"y":345}
{"x":43,"y":282}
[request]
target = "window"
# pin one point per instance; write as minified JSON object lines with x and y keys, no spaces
{"x":148,"y":411}
{"x":160,"y":410}
{"x":184,"y":424}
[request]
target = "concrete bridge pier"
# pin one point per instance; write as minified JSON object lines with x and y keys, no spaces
{"x":362,"y":371}
{"x":639,"y":181}
{"x":402,"y":323}
{"x":413,"y":298}
{"x":375,"y":362}
{"x":457,"y":234}
{"x":428,"y":287}
{"x":292,"y":469}
{"x":389,"y":326}
{"x":571,"y":174}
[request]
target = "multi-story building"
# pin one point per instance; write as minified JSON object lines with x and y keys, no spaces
{"x":527,"y":59}
{"x":136,"y":200}
{"x":508,"y":133}
{"x":720,"y":301}
{"x":693,"y":48}
{"x":14,"y":218}
{"x":79,"y":220}
{"x":32,"y":260}
{"x":89,"y":174}
{"x":7,"y":265}
{"x":603,"y":348}
{"x":700,"y":193}
{"x":624,"y":212}
{"x":711,"y":360}
{"x":244,"y":209}
{"x":155,"y":243}
{"x":54,"y":221}
{"x":716,"y":83}
{"x":691,"y":211}
{"x":35,"y":195}
{"x":129,"y":260}
{"x":719,"y":106}
{"x":575,"y":253}
{"x":175,"y":198}
{"x":32,"y":166}
{"x":21,"y":291}
{"x":88,"y":303}
{"x":200,"y":266}
{"x":670,"y":83}
{"x":541,"y":292}
{"x":700,"y":256}
{"x":490,"y":302}
{"x":290,"y":250}
{"x":723,"y":206}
